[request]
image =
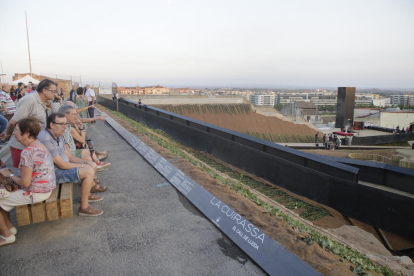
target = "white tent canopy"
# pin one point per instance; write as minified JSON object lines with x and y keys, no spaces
{"x":25,"y":80}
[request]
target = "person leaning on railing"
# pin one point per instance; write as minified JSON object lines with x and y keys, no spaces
{"x":37,"y":176}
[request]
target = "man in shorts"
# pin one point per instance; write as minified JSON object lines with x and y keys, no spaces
{"x":69,"y":168}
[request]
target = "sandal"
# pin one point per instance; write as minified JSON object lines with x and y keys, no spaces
{"x":97,"y":181}
{"x":94,"y":198}
{"x":89,"y":212}
{"x":104,"y":156}
{"x":104,"y":152}
{"x":98,"y":189}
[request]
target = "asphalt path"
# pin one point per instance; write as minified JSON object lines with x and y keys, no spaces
{"x":148,"y":228}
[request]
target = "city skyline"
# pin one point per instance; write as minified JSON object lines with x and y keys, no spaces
{"x":267,"y":44}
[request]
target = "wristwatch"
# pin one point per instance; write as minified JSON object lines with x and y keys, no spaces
{"x":81,"y":165}
{"x":11,"y":175}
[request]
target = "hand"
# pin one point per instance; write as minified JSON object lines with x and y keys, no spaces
{"x":6,"y":172}
{"x":102,"y":118}
{"x":91,"y":106}
{"x":4,"y":136}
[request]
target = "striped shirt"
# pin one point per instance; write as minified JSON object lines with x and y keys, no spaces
{"x":5,"y":98}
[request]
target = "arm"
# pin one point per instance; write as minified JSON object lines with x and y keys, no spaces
{"x":24,"y":181}
{"x":74,"y":160}
{"x":80,"y":138}
{"x":4,"y":107}
{"x":88,"y":120}
{"x":9,"y":130}
{"x":65,"y":165}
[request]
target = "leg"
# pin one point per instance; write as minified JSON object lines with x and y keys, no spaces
{"x":86,"y":174}
{"x":4,"y":228}
{"x":3,"y":123}
{"x":91,"y":111}
{"x":7,"y":218}
{"x":86,"y":155}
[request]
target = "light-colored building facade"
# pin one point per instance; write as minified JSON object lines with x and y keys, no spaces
{"x":266,"y":100}
{"x":392,"y":119}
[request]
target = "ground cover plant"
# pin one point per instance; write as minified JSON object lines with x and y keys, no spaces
{"x":361,"y":264}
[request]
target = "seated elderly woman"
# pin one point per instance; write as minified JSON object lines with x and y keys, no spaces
{"x":37,"y":176}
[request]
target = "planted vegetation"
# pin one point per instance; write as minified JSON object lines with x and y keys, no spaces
{"x":360,"y":261}
{"x":208,"y":108}
{"x":283,"y":138}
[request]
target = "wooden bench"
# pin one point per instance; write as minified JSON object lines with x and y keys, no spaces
{"x":58,"y":204}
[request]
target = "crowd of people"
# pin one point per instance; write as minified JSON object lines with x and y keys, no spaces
{"x":49,"y":145}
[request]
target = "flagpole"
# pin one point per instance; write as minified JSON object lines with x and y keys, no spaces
{"x":28,"y":45}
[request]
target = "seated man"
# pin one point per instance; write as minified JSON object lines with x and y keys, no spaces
{"x":71,"y":135}
{"x":69,"y":168}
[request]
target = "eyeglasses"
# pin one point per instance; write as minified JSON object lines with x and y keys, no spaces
{"x":54,"y":91}
{"x":61,"y":124}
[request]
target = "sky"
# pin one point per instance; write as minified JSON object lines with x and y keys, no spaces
{"x":224,"y":43}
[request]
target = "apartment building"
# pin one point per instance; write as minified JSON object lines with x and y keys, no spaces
{"x":402,"y":99}
{"x":268,"y":100}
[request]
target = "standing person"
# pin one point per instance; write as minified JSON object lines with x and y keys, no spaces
{"x":7,"y":103}
{"x":32,"y":105}
{"x":90,"y":94}
{"x":324,"y":140}
{"x":37,"y":180}
{"x":29,"y":87}
{"x":139,"y":104}
{"x":20,"y":85}
{"x":57,"y":101}
{"x":72,"y":93}
{"x":82,"y":102}
{"x":316,"y":139}
{"x":12,"y":93}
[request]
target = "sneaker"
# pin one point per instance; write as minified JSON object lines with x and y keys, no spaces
{"x":95,"y":198}
{"x":90,"y":212}
{"x":102,"y":166}
{"x":7,"y":240}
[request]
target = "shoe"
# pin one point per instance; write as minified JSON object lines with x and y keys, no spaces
{"x":13,"y":230}
{"x":98,"y":189}
{"x":90,"y":212}
{"x":102,"y":166}
{"x":95,"y":198}
{"x":7,"y":240}
{"x":103,"y":158}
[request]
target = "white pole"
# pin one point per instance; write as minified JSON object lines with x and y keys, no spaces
{"x":28,"y":45}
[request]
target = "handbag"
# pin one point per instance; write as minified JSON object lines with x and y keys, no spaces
{"x":8,"y":186}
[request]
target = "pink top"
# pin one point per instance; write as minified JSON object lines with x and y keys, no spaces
{"x":43,"y":171}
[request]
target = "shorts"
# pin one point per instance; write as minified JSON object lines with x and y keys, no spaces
{"x":15,"y":155}
{"x":67,"y":176}
{"x":17,"y":199}
{"x":78,"y":153}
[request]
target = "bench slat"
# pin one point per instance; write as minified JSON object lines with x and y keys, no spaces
{"x":66,"y":199}
{"x":52,"y":210}
{"x":38,"y":212}
{"x":23,"y":214}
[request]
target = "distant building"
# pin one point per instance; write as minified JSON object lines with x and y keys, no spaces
{"x":154,"y":90}
{"x":268,"y":100}
{"x":392,"y":119}
{"x":130,"y":90}
{"x":404,"y":100}
{"x":309,"y":112}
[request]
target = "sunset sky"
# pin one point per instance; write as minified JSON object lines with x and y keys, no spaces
{"x":262,"y":43}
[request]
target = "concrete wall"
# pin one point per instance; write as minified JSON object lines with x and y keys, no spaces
{"x":394,"y":119}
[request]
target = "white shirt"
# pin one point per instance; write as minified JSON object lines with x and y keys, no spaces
{"x":89,"y":94}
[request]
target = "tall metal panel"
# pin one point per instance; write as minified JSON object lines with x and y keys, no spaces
{"x":345,"y":106}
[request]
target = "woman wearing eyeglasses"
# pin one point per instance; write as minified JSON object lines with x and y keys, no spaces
{"x":37,"y":176}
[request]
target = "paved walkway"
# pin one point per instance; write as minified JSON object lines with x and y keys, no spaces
{"x":148,"y":228}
